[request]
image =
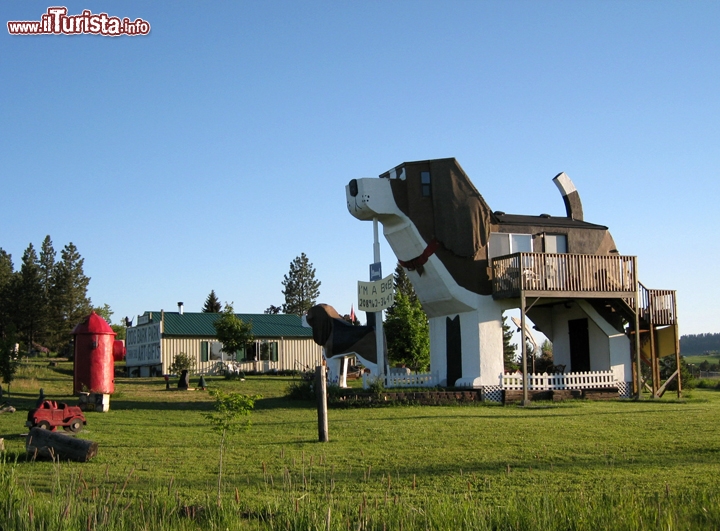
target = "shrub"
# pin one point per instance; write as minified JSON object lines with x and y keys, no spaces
{"x":181,"y":362}
{"x":302,"y":389}
{"x":376,"y":386}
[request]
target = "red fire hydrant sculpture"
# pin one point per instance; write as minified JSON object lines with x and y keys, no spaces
{"x":94,"y":362}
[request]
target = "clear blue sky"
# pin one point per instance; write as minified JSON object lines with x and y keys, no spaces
{"x":211,"y":152}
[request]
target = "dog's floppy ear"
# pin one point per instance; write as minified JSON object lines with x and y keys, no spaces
{"x":320,"y":319}
{"x":462,"y":218}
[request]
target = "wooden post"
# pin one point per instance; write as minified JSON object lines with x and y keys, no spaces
{"x":654,"y":359}
{"x":526,"y":400}
{"x":321,"y":393}
{"x":638,"y":367}
{"x":677,"y":346}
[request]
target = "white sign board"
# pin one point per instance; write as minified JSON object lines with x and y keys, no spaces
{"x":376,"y":296}
{"x":143,"y":345}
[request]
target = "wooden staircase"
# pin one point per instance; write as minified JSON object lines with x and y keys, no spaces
{"x":658,"y":329}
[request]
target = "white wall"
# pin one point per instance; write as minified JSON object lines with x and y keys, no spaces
{"x":609,"y":349}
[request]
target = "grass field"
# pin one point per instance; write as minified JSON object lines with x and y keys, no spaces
{"x":573,"y":465}
{"x":697,"y":360}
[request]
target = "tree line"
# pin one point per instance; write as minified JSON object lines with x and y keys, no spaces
{"x":43,"y":300}
{"x":699,"y":343}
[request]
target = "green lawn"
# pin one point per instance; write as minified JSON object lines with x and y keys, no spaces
{"x":573,"y":465}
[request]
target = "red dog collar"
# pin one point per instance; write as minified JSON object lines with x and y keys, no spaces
{"x":418,"y":262}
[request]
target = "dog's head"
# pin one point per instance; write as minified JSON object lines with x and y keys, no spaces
{"x":321,"y":318}
{"x":436,"y":195}
{"x":339,"y":337}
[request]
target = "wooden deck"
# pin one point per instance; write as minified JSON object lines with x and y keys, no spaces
{"x":581,"y":276}
{"x":564,"y":275}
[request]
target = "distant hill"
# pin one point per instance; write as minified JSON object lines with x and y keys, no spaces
{"x":699,"y":343}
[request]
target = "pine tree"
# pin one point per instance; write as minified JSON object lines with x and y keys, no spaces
{"x":406,"y":327}
{"x":69,"y":301}
{"x":212,"y":304}
{"x":407,"y":333}
{"x":8,"y":360}
{"x":402,"y":283}
{"x":301,"y":288}
{"x":29,"y":297}
{"x":508,"y":347}
{"x":7,"y":282}
{"x":46,"y":263}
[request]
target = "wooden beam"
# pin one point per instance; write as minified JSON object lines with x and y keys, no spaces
{"x":654,"y":367}
{"x":677,"y":347}
{"x":637,"y":330}
{"x":523,"y":346}
{"x":661,"y":391}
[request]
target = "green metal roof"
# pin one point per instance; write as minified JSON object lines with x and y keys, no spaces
{"x":201,"y":324}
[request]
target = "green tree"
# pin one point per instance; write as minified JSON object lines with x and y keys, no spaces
{"x":69,"y":301}
{"x":232,"y":332}
{"x":106,"y":313}
{"x":273,"y":310}
{"x":8,"y":359}
{"x":407,"y":333}
{"x":402,"y":283}
{"x":668,"y":365}
{"x":231,"y":414}
{"x":509,"y":348}
{"x":212,"y":304}
{"x":545,"y":361}
{"x":7,"y":284}
{"x":46,"y":263}
{"x":301,"y":288}
{"x":30,"y":303}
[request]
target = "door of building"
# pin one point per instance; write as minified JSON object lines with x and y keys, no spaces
{"x":579,"y":345}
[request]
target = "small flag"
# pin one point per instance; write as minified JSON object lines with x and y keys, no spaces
{"x":352,"y":314}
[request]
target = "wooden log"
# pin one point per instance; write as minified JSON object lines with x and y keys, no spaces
{"x":52,"y":445}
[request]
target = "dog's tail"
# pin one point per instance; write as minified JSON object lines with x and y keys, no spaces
{"x":571,"y":197}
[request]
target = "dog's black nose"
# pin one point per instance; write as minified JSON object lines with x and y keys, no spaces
{"x":353,"y":188}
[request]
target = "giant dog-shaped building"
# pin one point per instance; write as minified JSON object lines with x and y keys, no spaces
{"x":444,"y":233}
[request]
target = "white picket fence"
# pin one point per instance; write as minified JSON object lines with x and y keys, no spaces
{"x":395,"y":379}
{"x":573,"y":380}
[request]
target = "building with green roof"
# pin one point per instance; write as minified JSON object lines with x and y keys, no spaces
{"x":281,"y":343}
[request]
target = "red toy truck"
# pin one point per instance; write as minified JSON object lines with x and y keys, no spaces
{"x":50,"y":415}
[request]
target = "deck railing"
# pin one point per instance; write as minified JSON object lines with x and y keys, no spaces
{"x":573,"y":380}
{"x":657,"y":306}
{"x":550,"y":272}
